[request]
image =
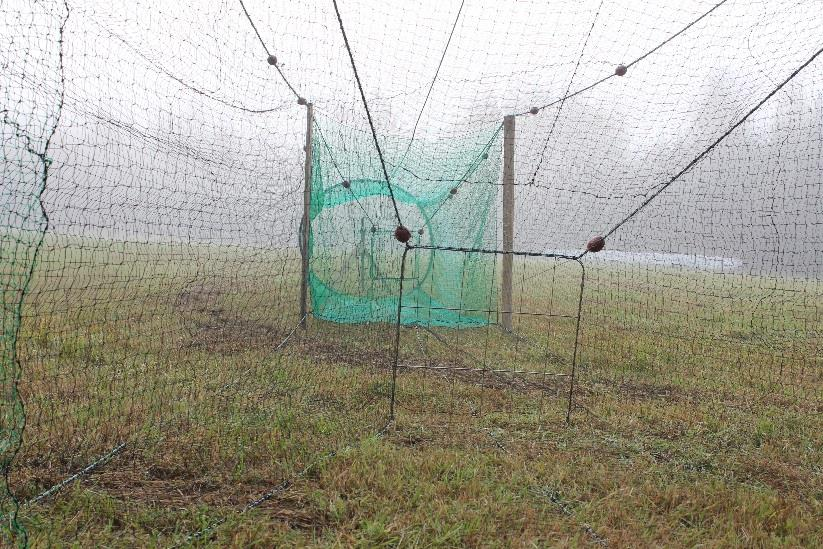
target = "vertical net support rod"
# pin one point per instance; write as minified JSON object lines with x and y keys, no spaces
{"x":508,"y":220}
{"x":396,"y":361}
{"x":576,"y":353}
{"x":304,"y":235}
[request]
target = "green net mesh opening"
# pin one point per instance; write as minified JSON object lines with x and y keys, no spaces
{"x":447,"y":194}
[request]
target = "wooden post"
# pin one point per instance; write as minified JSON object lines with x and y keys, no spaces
{"x":508,"y":220}
{"x":304,"y":236}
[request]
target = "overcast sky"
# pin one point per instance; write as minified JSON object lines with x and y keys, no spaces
{"x":157,"y":129}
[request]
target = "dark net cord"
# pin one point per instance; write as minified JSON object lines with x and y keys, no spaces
{"x":629,"y":65}
{"x":656,"y":191}
{"x":14,"y":432}
{"x":263,"y":43}
{"x":294,"y":91}
{"x":472,"y":167}
{"x":565,"y":95}
{"x":368,"y":115}
{"x":208,"y":531}
{"x":431,"y":86}
{"x":179,"y":80}
{"x":158,"y":323}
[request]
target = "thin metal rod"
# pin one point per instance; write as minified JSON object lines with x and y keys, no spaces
{"x":576,"y":340}
{"x":465,"y":310}
{"x":397,"y":334}
{"x":487,"y":251}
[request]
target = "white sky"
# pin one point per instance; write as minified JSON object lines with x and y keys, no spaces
{"x":132,"y":69}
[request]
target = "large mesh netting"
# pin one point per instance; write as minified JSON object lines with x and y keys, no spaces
{"x":153,"y":238}
{"x":447,"y":195}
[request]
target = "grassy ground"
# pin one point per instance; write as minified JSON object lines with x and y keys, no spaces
{"x":697,"y":417}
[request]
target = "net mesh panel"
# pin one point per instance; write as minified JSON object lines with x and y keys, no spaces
{"x":714,"y":288}
{"x":149,"y":306}
{"x":157,"y":328}
{"x":447,"y":195}
{"x":732,"y":292}
{"x":27,"y":124}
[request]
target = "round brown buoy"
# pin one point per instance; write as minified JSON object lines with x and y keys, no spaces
{"x":596,"y":244}
{"x":402,"y":234}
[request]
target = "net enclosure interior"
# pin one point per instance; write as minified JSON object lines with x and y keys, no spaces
{"x":447,"y":195}
{"x":165,"y":196}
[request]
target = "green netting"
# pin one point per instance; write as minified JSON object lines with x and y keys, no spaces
{"x":24,"y":172}
{"x":28,"y":119}
{"x":447,"y":195}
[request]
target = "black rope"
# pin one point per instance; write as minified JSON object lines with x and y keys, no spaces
{"x":698,"y":158}
{"x":429,"y":179}
{"x":675,"y":35}
{"x":328,"y":150}
{"x":662,"y":187}
{"x":368,"y":113}
{"x":641,"y":58}
{"x":431,"y":86}
{"x":563,"y":101}
{"x":262,"y":43}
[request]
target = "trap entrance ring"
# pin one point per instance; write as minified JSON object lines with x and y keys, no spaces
{"x":368,"y":289}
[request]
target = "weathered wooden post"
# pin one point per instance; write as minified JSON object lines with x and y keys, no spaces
{"x":508,"y":219}
{"x":304,"y":235}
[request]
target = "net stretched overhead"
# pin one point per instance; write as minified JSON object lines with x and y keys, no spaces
{"x":153,"y":190}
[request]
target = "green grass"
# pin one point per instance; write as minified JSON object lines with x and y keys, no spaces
{"x":697,"y":415}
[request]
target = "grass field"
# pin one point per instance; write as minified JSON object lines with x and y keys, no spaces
{"x":697,"y":416}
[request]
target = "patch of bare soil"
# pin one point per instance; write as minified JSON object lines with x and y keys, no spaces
{"x":739,"y":399}
{"x":214,"y":329}
{"x":488,"y":379}
{"x":782,"y":477}
{"x":174,"y":487}
{"x":339,"y":352}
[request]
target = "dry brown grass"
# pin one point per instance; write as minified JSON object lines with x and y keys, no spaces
{"x":674,"y":441}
